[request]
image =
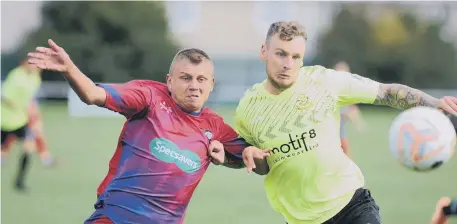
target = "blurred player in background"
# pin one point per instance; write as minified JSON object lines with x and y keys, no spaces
{"x":162,"y":150}
{"x":445,"y":207}
{"x":348,"y":113}
{"x":34,"y":136}
{"x":18,"y":92}
{"x":295,"y":113}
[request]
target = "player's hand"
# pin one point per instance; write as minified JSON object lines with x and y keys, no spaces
{"x":438,"y":216}
{"x":216,"y":152}
{"x":448,"y":104}
{"x":251,"y":154}
{"x":53,"y":58}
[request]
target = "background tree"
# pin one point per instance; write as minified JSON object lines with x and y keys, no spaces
{"x":346,"y":40}
{"x":395,"y":46}
{"x":109,"y":41}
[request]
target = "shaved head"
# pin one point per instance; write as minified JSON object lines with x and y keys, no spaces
{"x":193,"y":55}
{"x":191,"y":79}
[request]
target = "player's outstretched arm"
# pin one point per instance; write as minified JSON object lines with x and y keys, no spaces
{"x":404,"y":97}
{"x":56,"y":59}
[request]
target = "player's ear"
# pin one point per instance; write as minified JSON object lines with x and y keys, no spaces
{"x":169,"y":82}
{"x":212,"y":85}
{"x":263,"y":52}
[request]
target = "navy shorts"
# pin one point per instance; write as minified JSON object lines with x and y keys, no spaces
{"x":20,"y":133}
{"x":362,"y":209}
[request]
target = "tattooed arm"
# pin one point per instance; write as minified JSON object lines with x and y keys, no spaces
{"x":357,"y":89}
{"x":403,"y":97}
{"x":232,"y":161}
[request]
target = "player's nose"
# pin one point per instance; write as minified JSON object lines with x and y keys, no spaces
{"x":193,"y":86}
{"x":287,"y":63}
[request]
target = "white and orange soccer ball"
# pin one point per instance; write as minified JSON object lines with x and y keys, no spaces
{"x":422,"y":138}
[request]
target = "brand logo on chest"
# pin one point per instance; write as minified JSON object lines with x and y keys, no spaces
{"x":316,"y":104}
{"x":208,"y":134}
{"x":163,"y":106}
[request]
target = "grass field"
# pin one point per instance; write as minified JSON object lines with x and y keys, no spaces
{"x":66,"y":194}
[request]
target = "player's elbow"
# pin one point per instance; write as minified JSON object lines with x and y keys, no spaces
{"x":94,"y":96}
{"x":86,"y":99}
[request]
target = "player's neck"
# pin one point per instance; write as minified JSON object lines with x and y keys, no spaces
{"x":187,"y":111}
{"x":190,"y":112}
{"x":273,"y":89}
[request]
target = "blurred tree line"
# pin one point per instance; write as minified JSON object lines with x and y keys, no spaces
{"x":109,"y":41}
{"x":393,"y":47}
{"x":120,"y":41}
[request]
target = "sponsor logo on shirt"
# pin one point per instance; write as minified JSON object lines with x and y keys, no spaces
{"x":298,"y":144}
{"x":167,"y":151}
{"x":315,"y":102}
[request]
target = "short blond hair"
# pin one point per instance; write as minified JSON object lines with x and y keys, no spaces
{"x":287,"y":30}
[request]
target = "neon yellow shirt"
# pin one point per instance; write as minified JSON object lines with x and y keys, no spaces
{"x":19,"y":88}
{"x":310,"y":178}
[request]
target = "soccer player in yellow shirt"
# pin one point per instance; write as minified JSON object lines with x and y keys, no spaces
{"x":348,"y":113}
{"x":34,"y":137}
{"x":18,"y":91}
{"x":295,"y":113}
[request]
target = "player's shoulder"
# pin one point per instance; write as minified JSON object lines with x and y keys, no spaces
{"x":254,"y":91}
{"x":209,"y":113}
{"x":313,"y":69}
{"x":211,"y":116}
{"x":17,"y":77}
{"x":16,"y":72}
{"x":147,"y":83}
{"x":155,"y":86}
{"x":319,"y":74}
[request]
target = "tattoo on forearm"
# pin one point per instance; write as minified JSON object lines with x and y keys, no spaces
{"x":403,"y":97}
{"x":233,"y":163}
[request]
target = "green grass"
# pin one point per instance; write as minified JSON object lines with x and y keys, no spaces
{"x":84,"y":146}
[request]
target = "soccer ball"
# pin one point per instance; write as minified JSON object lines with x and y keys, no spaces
{"x":422,"y":138}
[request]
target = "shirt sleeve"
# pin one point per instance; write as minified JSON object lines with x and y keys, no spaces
{"x":127,"y":99}
{"x":233,"y":143}
{"x":241,"y":129}
{"x":353,"y":88}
